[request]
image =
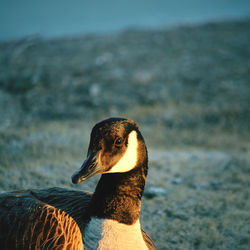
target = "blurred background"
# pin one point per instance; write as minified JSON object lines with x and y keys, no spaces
{"x":63,"y":18}
{"x":180,"y":69}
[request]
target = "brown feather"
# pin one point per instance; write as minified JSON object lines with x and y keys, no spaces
{"x":150,"y":244}
{"x":42,"y":219}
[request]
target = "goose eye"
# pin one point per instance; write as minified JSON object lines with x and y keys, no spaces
{"x":118,"y":142}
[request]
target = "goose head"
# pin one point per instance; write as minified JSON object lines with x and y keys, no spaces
{"x":116,"y":146}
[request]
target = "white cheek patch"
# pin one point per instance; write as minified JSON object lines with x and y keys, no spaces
{"x":129,"y":159}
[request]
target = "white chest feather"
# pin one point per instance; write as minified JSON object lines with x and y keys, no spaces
{"x":110,"y":234}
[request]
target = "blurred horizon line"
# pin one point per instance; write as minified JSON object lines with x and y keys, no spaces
{"x":63,"y":19}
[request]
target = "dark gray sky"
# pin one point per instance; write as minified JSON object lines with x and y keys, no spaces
{"x":52,"y":18}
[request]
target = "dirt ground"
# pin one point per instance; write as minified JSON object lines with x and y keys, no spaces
{"x":187,"y":88}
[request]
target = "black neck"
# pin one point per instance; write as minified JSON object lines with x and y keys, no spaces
{"x":118,"y":195}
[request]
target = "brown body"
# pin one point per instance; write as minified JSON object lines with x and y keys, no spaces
{"x":40,"y":219}
{"x":45,"y":219}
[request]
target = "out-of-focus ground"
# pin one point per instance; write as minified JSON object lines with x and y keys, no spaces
{"x":188,"y":88}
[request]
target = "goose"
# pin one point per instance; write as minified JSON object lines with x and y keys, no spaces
{"x":59,"y":218}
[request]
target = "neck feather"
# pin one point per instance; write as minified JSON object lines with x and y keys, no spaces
{"x":118,"y":195}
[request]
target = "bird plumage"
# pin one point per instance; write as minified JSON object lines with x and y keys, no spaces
{"x":58,"y":218}
{"x":28,"y":222}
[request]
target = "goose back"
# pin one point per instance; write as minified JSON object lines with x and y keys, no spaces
{"x":53,"y":218}
{"x":42,"y":219}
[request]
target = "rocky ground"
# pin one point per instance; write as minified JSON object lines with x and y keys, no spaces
{"x":188,"y":89}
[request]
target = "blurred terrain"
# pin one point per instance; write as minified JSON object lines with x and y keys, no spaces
{"x":187,"y":87}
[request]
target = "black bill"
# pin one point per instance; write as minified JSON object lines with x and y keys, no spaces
{"x":89,"y":168}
